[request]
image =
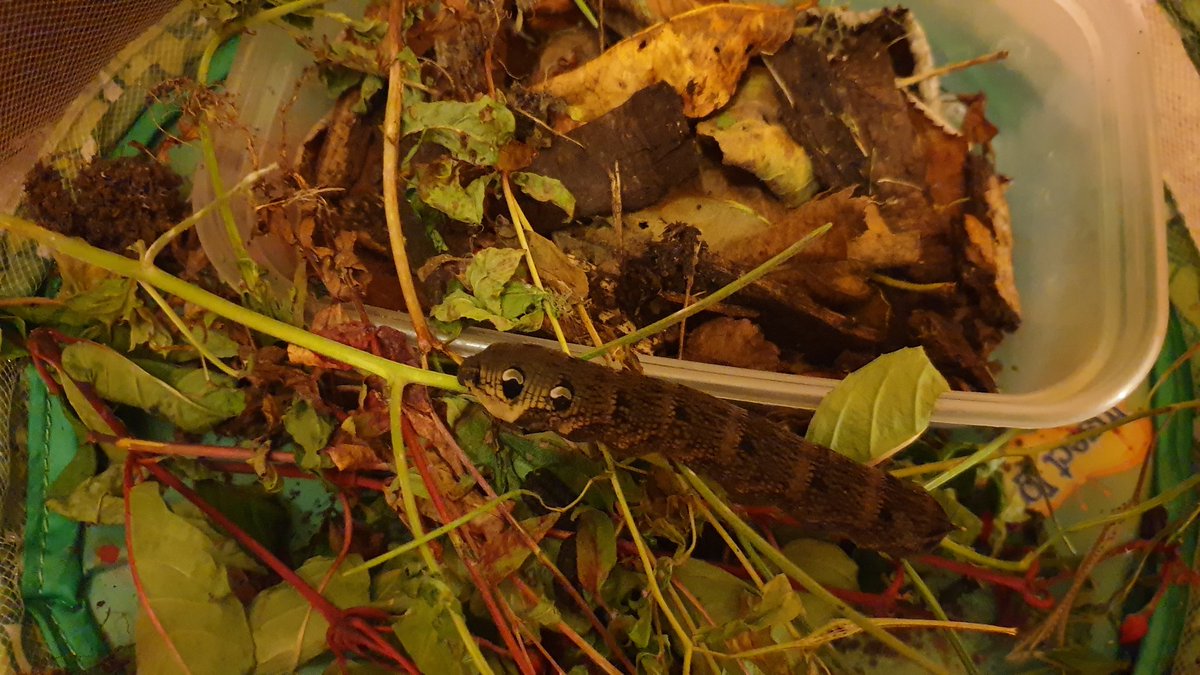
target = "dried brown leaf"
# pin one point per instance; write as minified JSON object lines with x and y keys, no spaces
{"x":701,"y":54}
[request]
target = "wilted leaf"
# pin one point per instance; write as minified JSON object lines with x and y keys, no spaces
{"x":701,"y":54}
{"x":287,"y":630}
{"x":438,"y":185}
{"x":225,"y":550}
{"x":505,"y":553}
{"x":190,"y":401}
{"x":880,"y":408}
{"x":546,"y":189}
{"x":768,"y":152}
{"x":96,"y":499}
{"x":309,"y":429}
{"x":557,"y":269}
{"x":595,"y":548}
{"x":750,"y":138}
{"x":189,"y":592}
{"x":472,"y":132}
{"x":352,"y":456}
{"x":82,"y":466}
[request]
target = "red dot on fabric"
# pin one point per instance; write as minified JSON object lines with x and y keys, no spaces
{"x":108,"y":554}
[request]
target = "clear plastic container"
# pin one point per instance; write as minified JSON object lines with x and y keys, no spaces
{"x":1074,"y":107}
{"x":1073,"y":103}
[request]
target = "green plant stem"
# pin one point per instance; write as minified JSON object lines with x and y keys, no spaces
{"x":184,"y":225}
{"x":250,"y":271}
{"x":807,"y":582}
{"x":980,"y":456}
{"x":970,"y":555}
{"x":133,"y":269}
{"x":486,"y":507}
{"x":685,"y":640}
{"x":408,"y":500}
{"x":1094,"y":432}
{"x":712,"y":299}
{"x":587,"y":13}
{"x":187,"y":334}
{"x":936,"y":608}
{"x":520,"y":224}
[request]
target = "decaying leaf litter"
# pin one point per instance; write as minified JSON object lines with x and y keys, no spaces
{"x":554,"y":179}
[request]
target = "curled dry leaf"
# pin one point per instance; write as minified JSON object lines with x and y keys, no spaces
{"x":732,"y":342}
{"x":750,"y":138}
{"x":701,"y":54}
{"x":558,"y":271}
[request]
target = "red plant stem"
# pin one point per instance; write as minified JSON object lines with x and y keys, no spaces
{"x":139,"y":589}
{"x":201,"y":451}
{"x":1033,"y":593}
{"x":416,"y":451}
{"x":352,"y":619}
{"x":878,"y":603}
{"x":559,"y":577}
{"x":327,"y":609}
{"x":43,"y":349}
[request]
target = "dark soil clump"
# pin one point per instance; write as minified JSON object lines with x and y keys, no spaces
{"x":110,"y":203}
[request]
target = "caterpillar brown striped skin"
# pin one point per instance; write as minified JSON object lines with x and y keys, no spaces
{"x":757,"y":462}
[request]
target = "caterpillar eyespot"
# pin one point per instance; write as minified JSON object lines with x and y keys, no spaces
{"x":561,"y":398}
{"x":512,"y":383}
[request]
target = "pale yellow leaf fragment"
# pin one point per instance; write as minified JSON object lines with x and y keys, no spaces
{"x":701,"y":54}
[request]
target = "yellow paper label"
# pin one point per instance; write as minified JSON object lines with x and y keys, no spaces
{"x":1061,"y":471}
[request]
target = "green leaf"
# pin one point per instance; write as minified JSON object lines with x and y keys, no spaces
{"x":287,"y":630}
{"x":778,"y":606}
{"x":825,"y":562}
{"x":830,"y":566}
{"x":472,"y":132}
{"x":428,"y":637}
{"x":546,"y":189}
{"x":96,"y":499}
{"x":226,"y":551}
{"x":193,"y":400}
{"x":439,"y":186}
{"x":880,"y":408}
{"x":723,"y":595}
{"x":189,"y":592}
{"x":493,"y":295}
{"x":490,"y":270}
{"x":309,"y":429}
{"x":595,"y":548}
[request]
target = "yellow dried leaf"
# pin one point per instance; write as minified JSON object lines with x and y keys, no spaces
{"x":701,"y":54}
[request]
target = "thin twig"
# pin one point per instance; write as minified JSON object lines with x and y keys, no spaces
{"x":905,"y":82}
{"x":521,"y":224}
{"x":936,"y":608}
{"x":685,"y":641}
{"x":717,"y":296}
{"x":391,"y":181}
